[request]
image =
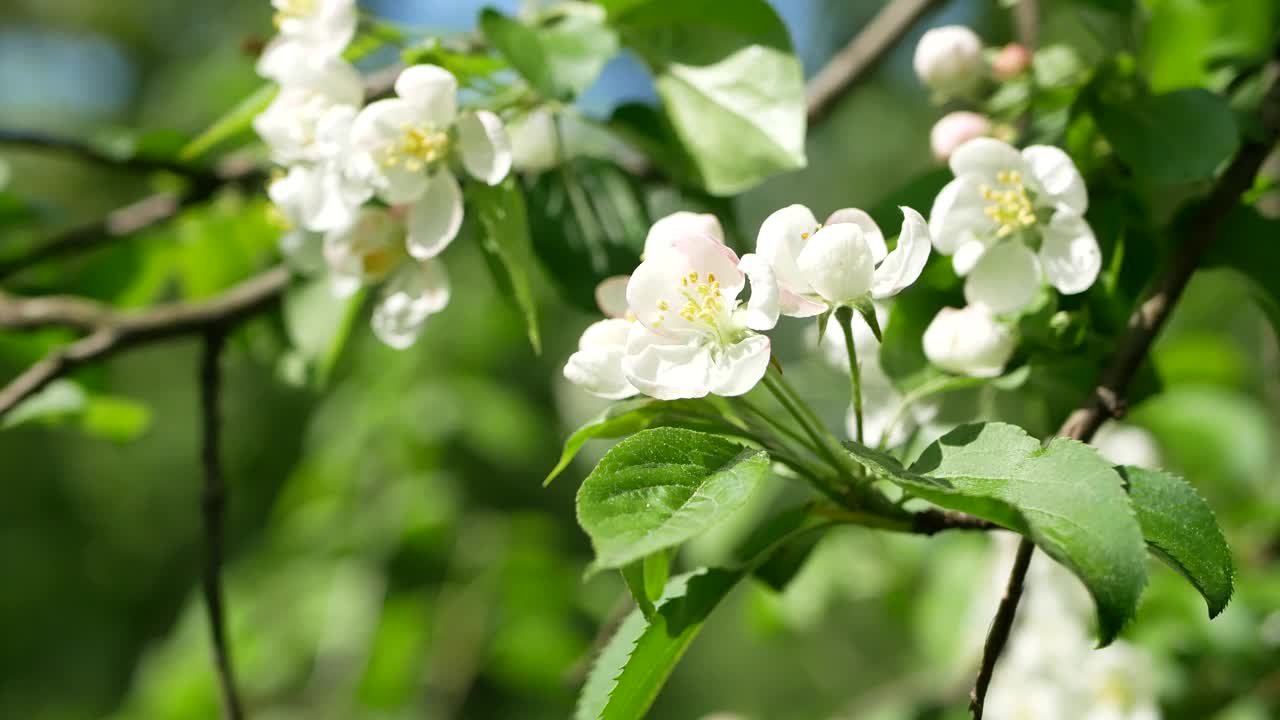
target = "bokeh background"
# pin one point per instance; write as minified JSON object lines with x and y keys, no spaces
{"x":392,"y":553}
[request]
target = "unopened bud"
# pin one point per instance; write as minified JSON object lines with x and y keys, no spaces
{"x":954,"y":130}
{"x":1012,"y":60}
{"x":968,"y":341}
{"x":948,"y":60}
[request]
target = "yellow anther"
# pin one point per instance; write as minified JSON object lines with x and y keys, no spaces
{"x":662,"y":305}
{"x":711,"y":277}
{"x":1011,"y":209}
{"x":379,"y":262}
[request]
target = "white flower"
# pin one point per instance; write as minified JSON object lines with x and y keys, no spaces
{"x":597,"y":365}
{"x":323,"y":28}
{"x":968,"y":341}
{"x":416,"y":290}
{"x":948,"y":60}
{"x":365,"y":251}
{"x":404,"y":145}
{"x":694,"y":336}
{"x":955,"y":129}
{"x":291,"y":124}
{"x":325,"y":194}
{"x":1010,"y":219}
{"x":841,"y":262}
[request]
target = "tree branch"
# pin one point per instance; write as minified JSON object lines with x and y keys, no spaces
{"x":1144,"y":325}
{"x":112,"y":331}
{"x":37,"y":140}
{"x":213,"y":505}
{"x":848,"y":65}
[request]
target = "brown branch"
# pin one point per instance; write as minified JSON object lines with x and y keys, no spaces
{"x":213,"y":505}
{"x":1144,"y":325}
{"x":848,"y":65}
{"x":112,"y":331}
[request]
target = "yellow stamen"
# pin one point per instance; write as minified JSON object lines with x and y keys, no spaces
{"x":1011,"y":208}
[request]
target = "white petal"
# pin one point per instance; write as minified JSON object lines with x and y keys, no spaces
{"x":958,"y":214}
{"x":665,"y":369}
{"x":597,"y":365}
{"x":969,"y":342}
{"x":611,"y":296}
{"x":870,"y":230}
{"x":485,"y":147}
{"x":364,"y":251}
{"x":836,"y":263}
{"x":985,"y":157}
{"x":1005,"y":280}
{"x":677,"y":224}
{"x":1056,"y":175}
{"x":1070,"y":254}
{"x":968,"y":255}
{"x":904,"y":265}
{"x":435,"y":218}
{"x":740,"y":366}
{"x":377,"y":131}
{"x":781,"y":238}
{"x":414,"y":293}
{"x":763,"y":305}
{"x":433,"y":91}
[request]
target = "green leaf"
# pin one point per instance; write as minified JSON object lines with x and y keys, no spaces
{"x":58,"y":400}
{"x":1173,"y":138}
{"x":500,"y":210}
{"x":589,"y":222}
{"x":731,"y":87}
{"x":65,"y":401}
{"x":115,"y":418}
{"x":561,"y":56}
{"x":1063,"y":496}
{"x":628,"y":417}
{"x":319,"y":322}
{"x":646,"y":579}
{"x":235,"y":121}
{"x":661,"y":487}
{"x":637,"y":661}
{"x":1180,"y":529}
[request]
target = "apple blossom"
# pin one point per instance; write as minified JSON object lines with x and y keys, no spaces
{"x":291,"y":124}
{"x":414,"y":292}
{"x":843,"y":262}
{"x":323,"y":28}
{"x":968,"y":341}
{"x":948,"y":60}
{"x":404,"y":145}
{"x":324,"y":194}
{"x":365,"y":251}
{"x":955,"y":129}
{"x":693,"y":335}
{"x":1011,"y":220}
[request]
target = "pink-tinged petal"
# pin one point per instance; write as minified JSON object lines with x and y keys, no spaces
{"x":1070,"y":255}
{"x":1054,"y":173}
{"x":764,"y":304}
{"x":739,"y":367}
{"x":781,"y":238}
{"x":414,"y":293}
{"x":870,"y":230}
{"x":1005,"y":280}
{"x":798,"y":306}
{"x":485,"y":147}
{"x":433,"y":91}
{"x":710,"y":257}
{"x":836,"y":263}
{"x":435,"y":218}
{"x":665,"y":369}
{"x":904,"y":265}
{"x":678,"y":224}
{"x":611,"y":296}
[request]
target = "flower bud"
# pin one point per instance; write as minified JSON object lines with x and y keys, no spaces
{"x":1012,"y":60}
{"x":968,"y":341}
{"x":954,"y":130}
{"x":948,"y":60}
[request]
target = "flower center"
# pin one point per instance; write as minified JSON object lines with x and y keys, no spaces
{"x":420,"y":147}
{"x":293,"y":10}
{"x":1010,"y":205}
{"x":703,"y":302}
{"x":379,"y":262}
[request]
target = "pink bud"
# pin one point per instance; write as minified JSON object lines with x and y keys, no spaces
{"x":1012,"y":60}
{"x":956,"y":129}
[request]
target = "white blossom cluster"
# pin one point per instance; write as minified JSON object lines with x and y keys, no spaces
{"x":678,"y":327}
{"x":369,"y":192}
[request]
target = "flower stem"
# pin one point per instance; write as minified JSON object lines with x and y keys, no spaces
{"x":844,"y":315}
{"x":777,"y":386}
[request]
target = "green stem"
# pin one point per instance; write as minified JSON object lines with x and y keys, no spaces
{"x":777,"y":386}
{"x":844,"y":315}
{"x":778,"y":426}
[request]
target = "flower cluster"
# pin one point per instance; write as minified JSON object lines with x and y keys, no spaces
{"x":684,"y":330}
{"x":369,"y":192}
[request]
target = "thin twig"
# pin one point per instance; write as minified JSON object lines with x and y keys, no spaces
{"x":214,"y":504}
{"x":848,"y":65}
{"x":1144,"y":325}
{"x":38,"y":140}
{"x":113,"y":331}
